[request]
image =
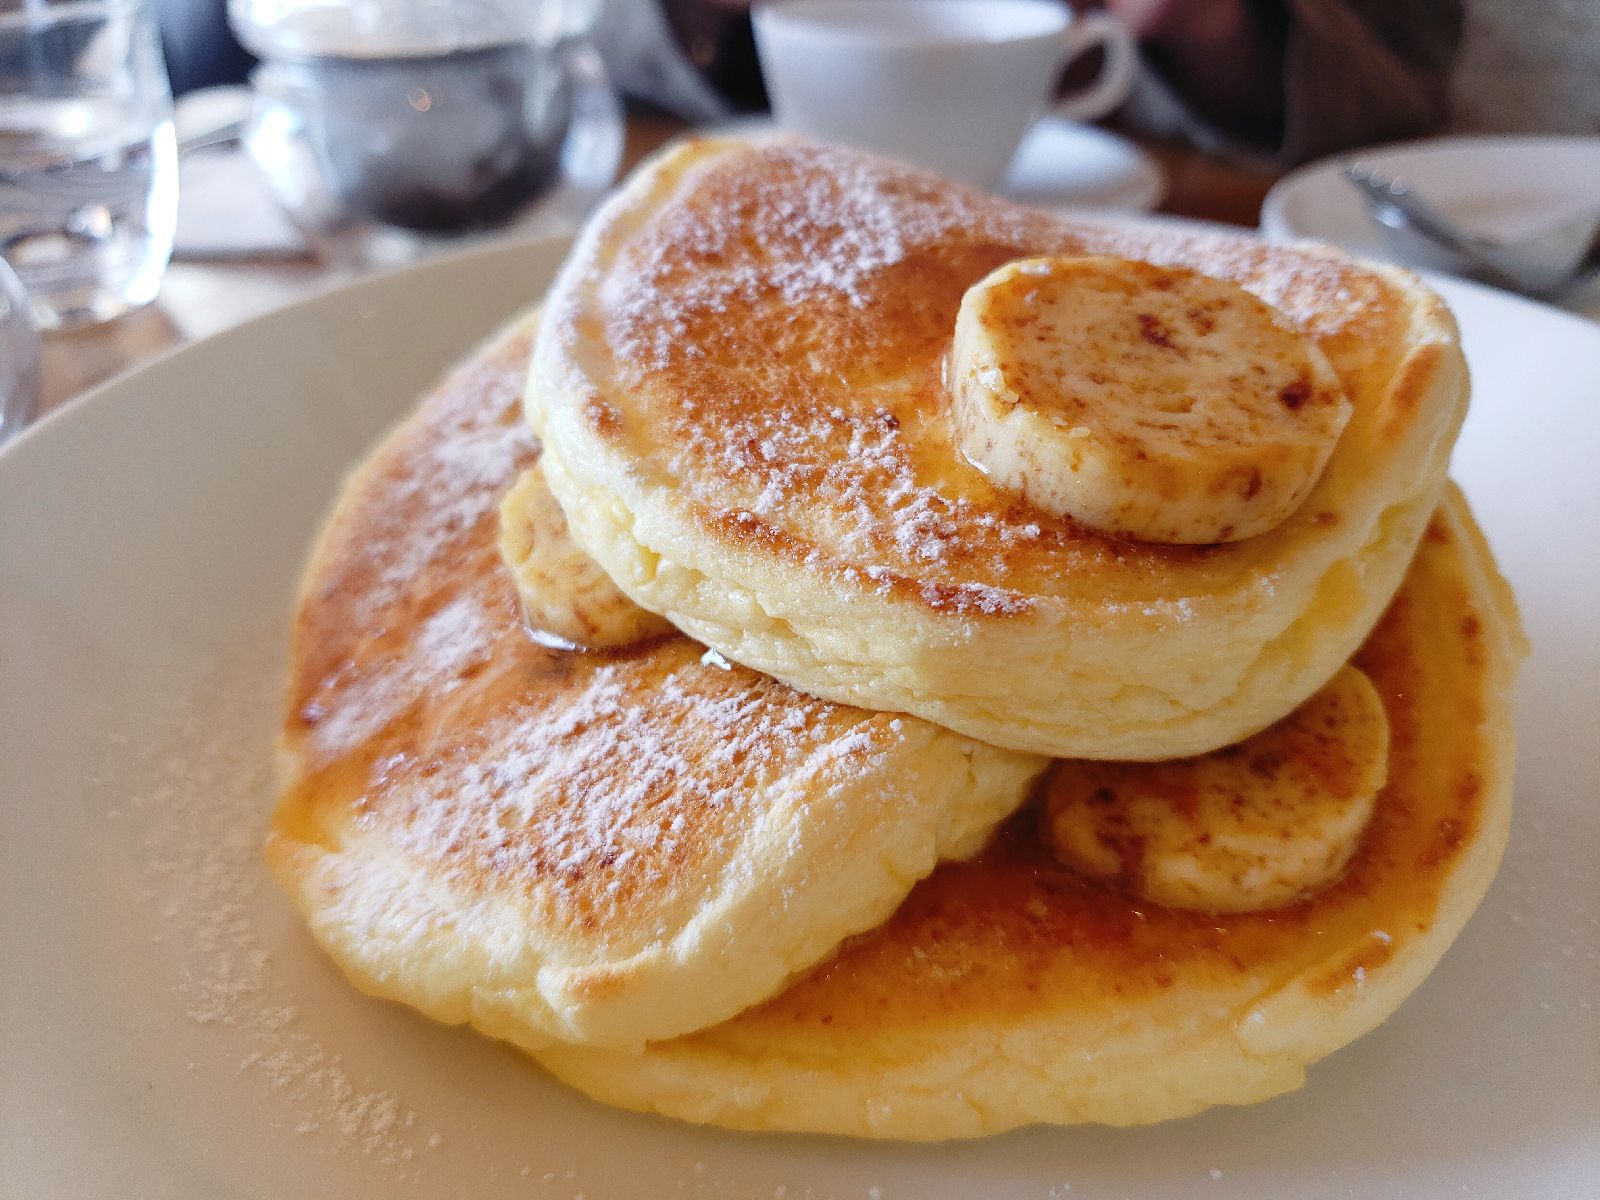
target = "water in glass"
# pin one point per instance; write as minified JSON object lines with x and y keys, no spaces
{"x":19,"y":356}
{"x":88,"y":163}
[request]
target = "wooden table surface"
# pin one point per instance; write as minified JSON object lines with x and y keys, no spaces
{"x":201,"y":298}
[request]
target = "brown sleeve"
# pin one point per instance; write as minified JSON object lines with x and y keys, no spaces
{"x":1362,"y":71}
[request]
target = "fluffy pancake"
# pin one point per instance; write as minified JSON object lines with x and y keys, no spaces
{"x":1007,"y":990}
{"x":603,"y":848}
{"x":740,"y":386}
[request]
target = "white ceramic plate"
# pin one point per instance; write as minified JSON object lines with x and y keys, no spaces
{"x":1499,"y":186}
{"x":167,"y":1029}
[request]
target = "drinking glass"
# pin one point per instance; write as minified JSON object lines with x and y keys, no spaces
{"x":384,"y":126}
{"x":19,"y":356}
{"x":88,"y":164}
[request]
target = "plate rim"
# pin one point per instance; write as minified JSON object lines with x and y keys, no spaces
{"x":333,"y":290}
{"x":1274,"y":223}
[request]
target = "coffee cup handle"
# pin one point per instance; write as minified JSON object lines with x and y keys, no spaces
{"x":1116,"y":75}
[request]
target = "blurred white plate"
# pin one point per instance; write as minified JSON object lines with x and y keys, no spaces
{"x":167,"y":1029}
{"x":1503,"y":187}
{"x":1059,"y":164}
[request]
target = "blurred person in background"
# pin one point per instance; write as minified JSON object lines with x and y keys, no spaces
{"x":1530,"y":66}
{"x":1291,"y":80}
{"x":199,"y":47}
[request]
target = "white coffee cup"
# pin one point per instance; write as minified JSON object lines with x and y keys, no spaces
{"x":950,"y":84}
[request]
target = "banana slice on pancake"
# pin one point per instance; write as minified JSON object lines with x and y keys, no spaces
{"x":1142,"y":401}
{"x":566,"y":598}
{"x":1250,"y":827}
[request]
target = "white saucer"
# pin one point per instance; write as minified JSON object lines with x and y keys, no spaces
{"x":1060,"y":164}
{"x":1498,"y":186}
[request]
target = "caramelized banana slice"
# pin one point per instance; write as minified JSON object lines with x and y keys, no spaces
{"x":1144,"y":402}
{"x":566,"y":597}
{"x":1253,"y":826}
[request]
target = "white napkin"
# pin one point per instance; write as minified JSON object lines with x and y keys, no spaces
{"x":225,"y":210}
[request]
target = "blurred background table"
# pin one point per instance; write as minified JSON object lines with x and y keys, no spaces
{"x":201,"y":298}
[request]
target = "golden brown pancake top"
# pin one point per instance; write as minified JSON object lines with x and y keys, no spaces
{"x":772,"y":340}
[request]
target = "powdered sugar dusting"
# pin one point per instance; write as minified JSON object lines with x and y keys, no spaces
{"x":358,"y":706}
{"x":858,"y":216}
{"x":197,"y":796}
{"x":405,"y":603}
{"x":487,"y":760}
{"x":589,"y":791}
{"x":777,"y":320}
{"x":474,"y":441}
{"x":767,"y":321}
{"x":597,"y":799}
{"x":864,"y":463}
{"x":824,"y":229}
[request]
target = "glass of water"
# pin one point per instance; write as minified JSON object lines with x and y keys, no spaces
{"x":19,"y":356}
{"x":88,"y":163}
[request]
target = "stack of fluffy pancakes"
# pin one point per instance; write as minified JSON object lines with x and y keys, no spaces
{"x":758,"y":745}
